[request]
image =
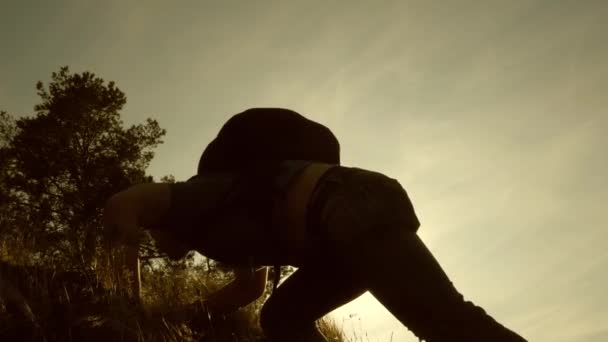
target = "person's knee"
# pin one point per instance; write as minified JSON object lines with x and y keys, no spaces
{"x":382,"y":203}
{"x":396,"y":204}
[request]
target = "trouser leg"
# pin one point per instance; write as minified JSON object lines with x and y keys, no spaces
{"x":371,"y":224}
{"x":405,"y":277}
{"x":291,"y":312}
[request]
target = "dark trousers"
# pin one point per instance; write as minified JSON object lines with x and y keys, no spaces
{"x":364,"y":230}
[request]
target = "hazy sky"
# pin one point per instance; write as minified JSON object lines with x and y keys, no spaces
{"x":492,"y":114}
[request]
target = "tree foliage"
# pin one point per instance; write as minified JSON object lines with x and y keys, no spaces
{"x":7,"y":132}
{"x":62,"y":163}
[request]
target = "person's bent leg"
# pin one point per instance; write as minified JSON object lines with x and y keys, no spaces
{"x":291,"y":312}
{"x":409,"y":282}
{"x":371,"y":222}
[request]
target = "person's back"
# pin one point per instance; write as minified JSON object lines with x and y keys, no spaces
{"x":255,"y":142}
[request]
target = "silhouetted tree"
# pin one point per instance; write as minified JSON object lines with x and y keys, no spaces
{"x":63,"y":163}
{"x":7,"y":132}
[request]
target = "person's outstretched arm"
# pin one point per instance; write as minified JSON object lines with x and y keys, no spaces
{"x":248,"y":285}
{"x":126,"y":212}
{"x":147,"y":205}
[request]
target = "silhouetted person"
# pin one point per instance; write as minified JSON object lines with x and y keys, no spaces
{"x":346,"y":229}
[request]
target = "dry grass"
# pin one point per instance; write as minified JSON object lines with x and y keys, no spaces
{"x":68,"y":306}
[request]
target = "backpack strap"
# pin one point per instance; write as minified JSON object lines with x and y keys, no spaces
{"x":287,"y":172}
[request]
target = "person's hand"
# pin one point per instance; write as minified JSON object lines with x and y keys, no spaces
{"x":201,"y":308}
{"x":199,"y":314}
